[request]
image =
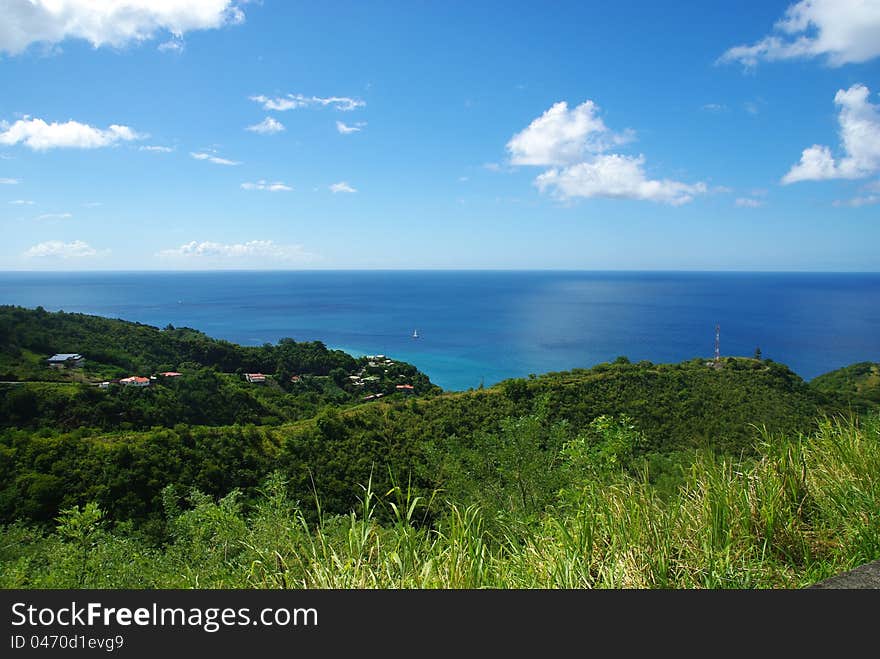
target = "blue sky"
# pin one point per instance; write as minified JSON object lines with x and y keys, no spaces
{"x":207,"y":134}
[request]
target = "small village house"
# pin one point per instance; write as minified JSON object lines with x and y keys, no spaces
{"x":135,"y":381}
{"x":66,"y":360}
{"x":255,"y":378}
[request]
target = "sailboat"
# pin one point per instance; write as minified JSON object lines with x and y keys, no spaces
{"x":415,"y":333}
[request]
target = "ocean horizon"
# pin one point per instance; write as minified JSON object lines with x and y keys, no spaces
{"x":482,"y":326}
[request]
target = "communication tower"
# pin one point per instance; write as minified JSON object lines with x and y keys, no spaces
{"x":717,"y":343}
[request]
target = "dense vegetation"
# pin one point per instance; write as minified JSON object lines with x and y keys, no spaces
{"x":211,"y":391}
{"x":802,"y":510}
{"x":626,"y":451}
{"x":859,"y":383}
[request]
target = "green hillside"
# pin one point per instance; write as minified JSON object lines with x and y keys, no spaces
{"x":302,"y":377}
{"x":857,"y":382}
{"x":68,"y":441}
{"x":791,"y":517}
{"x":166,"y":471}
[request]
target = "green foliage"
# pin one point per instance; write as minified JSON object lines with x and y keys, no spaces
{"x":803,"y":509}
{"x":212,"y":390}
{"x":511,"y":470}
{"x":643,"y":474}
{"x":857,"y":383}
{"x":607,"y":447}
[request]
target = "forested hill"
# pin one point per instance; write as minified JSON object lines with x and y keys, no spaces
{"x":857,"y":382}
{"x":135,"y":347}
{"x":65,"y":441}
{"x":208,"y":385}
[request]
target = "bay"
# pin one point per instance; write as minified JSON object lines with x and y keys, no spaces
{"x":480,"y":327}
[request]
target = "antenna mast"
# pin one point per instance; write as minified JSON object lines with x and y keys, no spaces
{"x":717,"y":343}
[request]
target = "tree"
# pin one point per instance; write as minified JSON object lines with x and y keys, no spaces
{"x":758,"y":353}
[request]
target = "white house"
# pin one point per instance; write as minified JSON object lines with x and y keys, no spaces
{"x":135,"y":381}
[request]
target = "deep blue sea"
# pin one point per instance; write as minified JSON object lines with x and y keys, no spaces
{"x":485,"y":326}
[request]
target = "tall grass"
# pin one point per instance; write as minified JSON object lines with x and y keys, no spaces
{"x":805,"y":509}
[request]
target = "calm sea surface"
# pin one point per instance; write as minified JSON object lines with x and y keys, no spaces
{"x":487,"y":326}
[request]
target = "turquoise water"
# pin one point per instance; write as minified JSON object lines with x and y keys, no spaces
{"x":479,"y":326}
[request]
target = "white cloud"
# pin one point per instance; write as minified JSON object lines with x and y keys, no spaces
{"x":268,"y":187}
{"x":214,"y":159}
{"x":255,"y":253}
{"x":157,"y":149}
{"x":295,"y":101}
{"x":870,"y":197}
{"x":616,"y":177}
{"x":346,"y":129}
{"x":748,"y":202}
{"x":842,"y":31}
{"x":714,"y":107}
{"x":858,"y":202}
{"x":58,"y":249}
{"x":8,"y":181}
{"x":93,"y":204}
{"x":342,"y":186}
{"x":267,"y":126}
{"x":175,"y":45}
{"x":108,"y":23}
{"x":39,"y":135}
{"x":561,"y":136}
{"x":22,"y":202}
{"x":54,"y":216}
{"x":572,"y":143}
{"x":860,"y":137}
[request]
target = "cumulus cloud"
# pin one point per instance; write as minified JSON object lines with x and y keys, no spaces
{"x":61,"y":250}
{"x":217,"y":160}
{"x":859,"y":122}
{"x":8,"y":181}
{"x":157,"y":149}
{"x":295,"y":101}
{"x":841,"y":31}
{"x":267,"y":126}
{"x":40,"y":136}
{"x":346,"y":129}
{"x":748,"y":202}
{"x":572,"y":144}
{"x":254,"y":253}
{"x":616,"y":177}
{"x":104,"y":23}
{"x":561,"y":136}
{"x":268,"y":187}
{"x":342,"y":186}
